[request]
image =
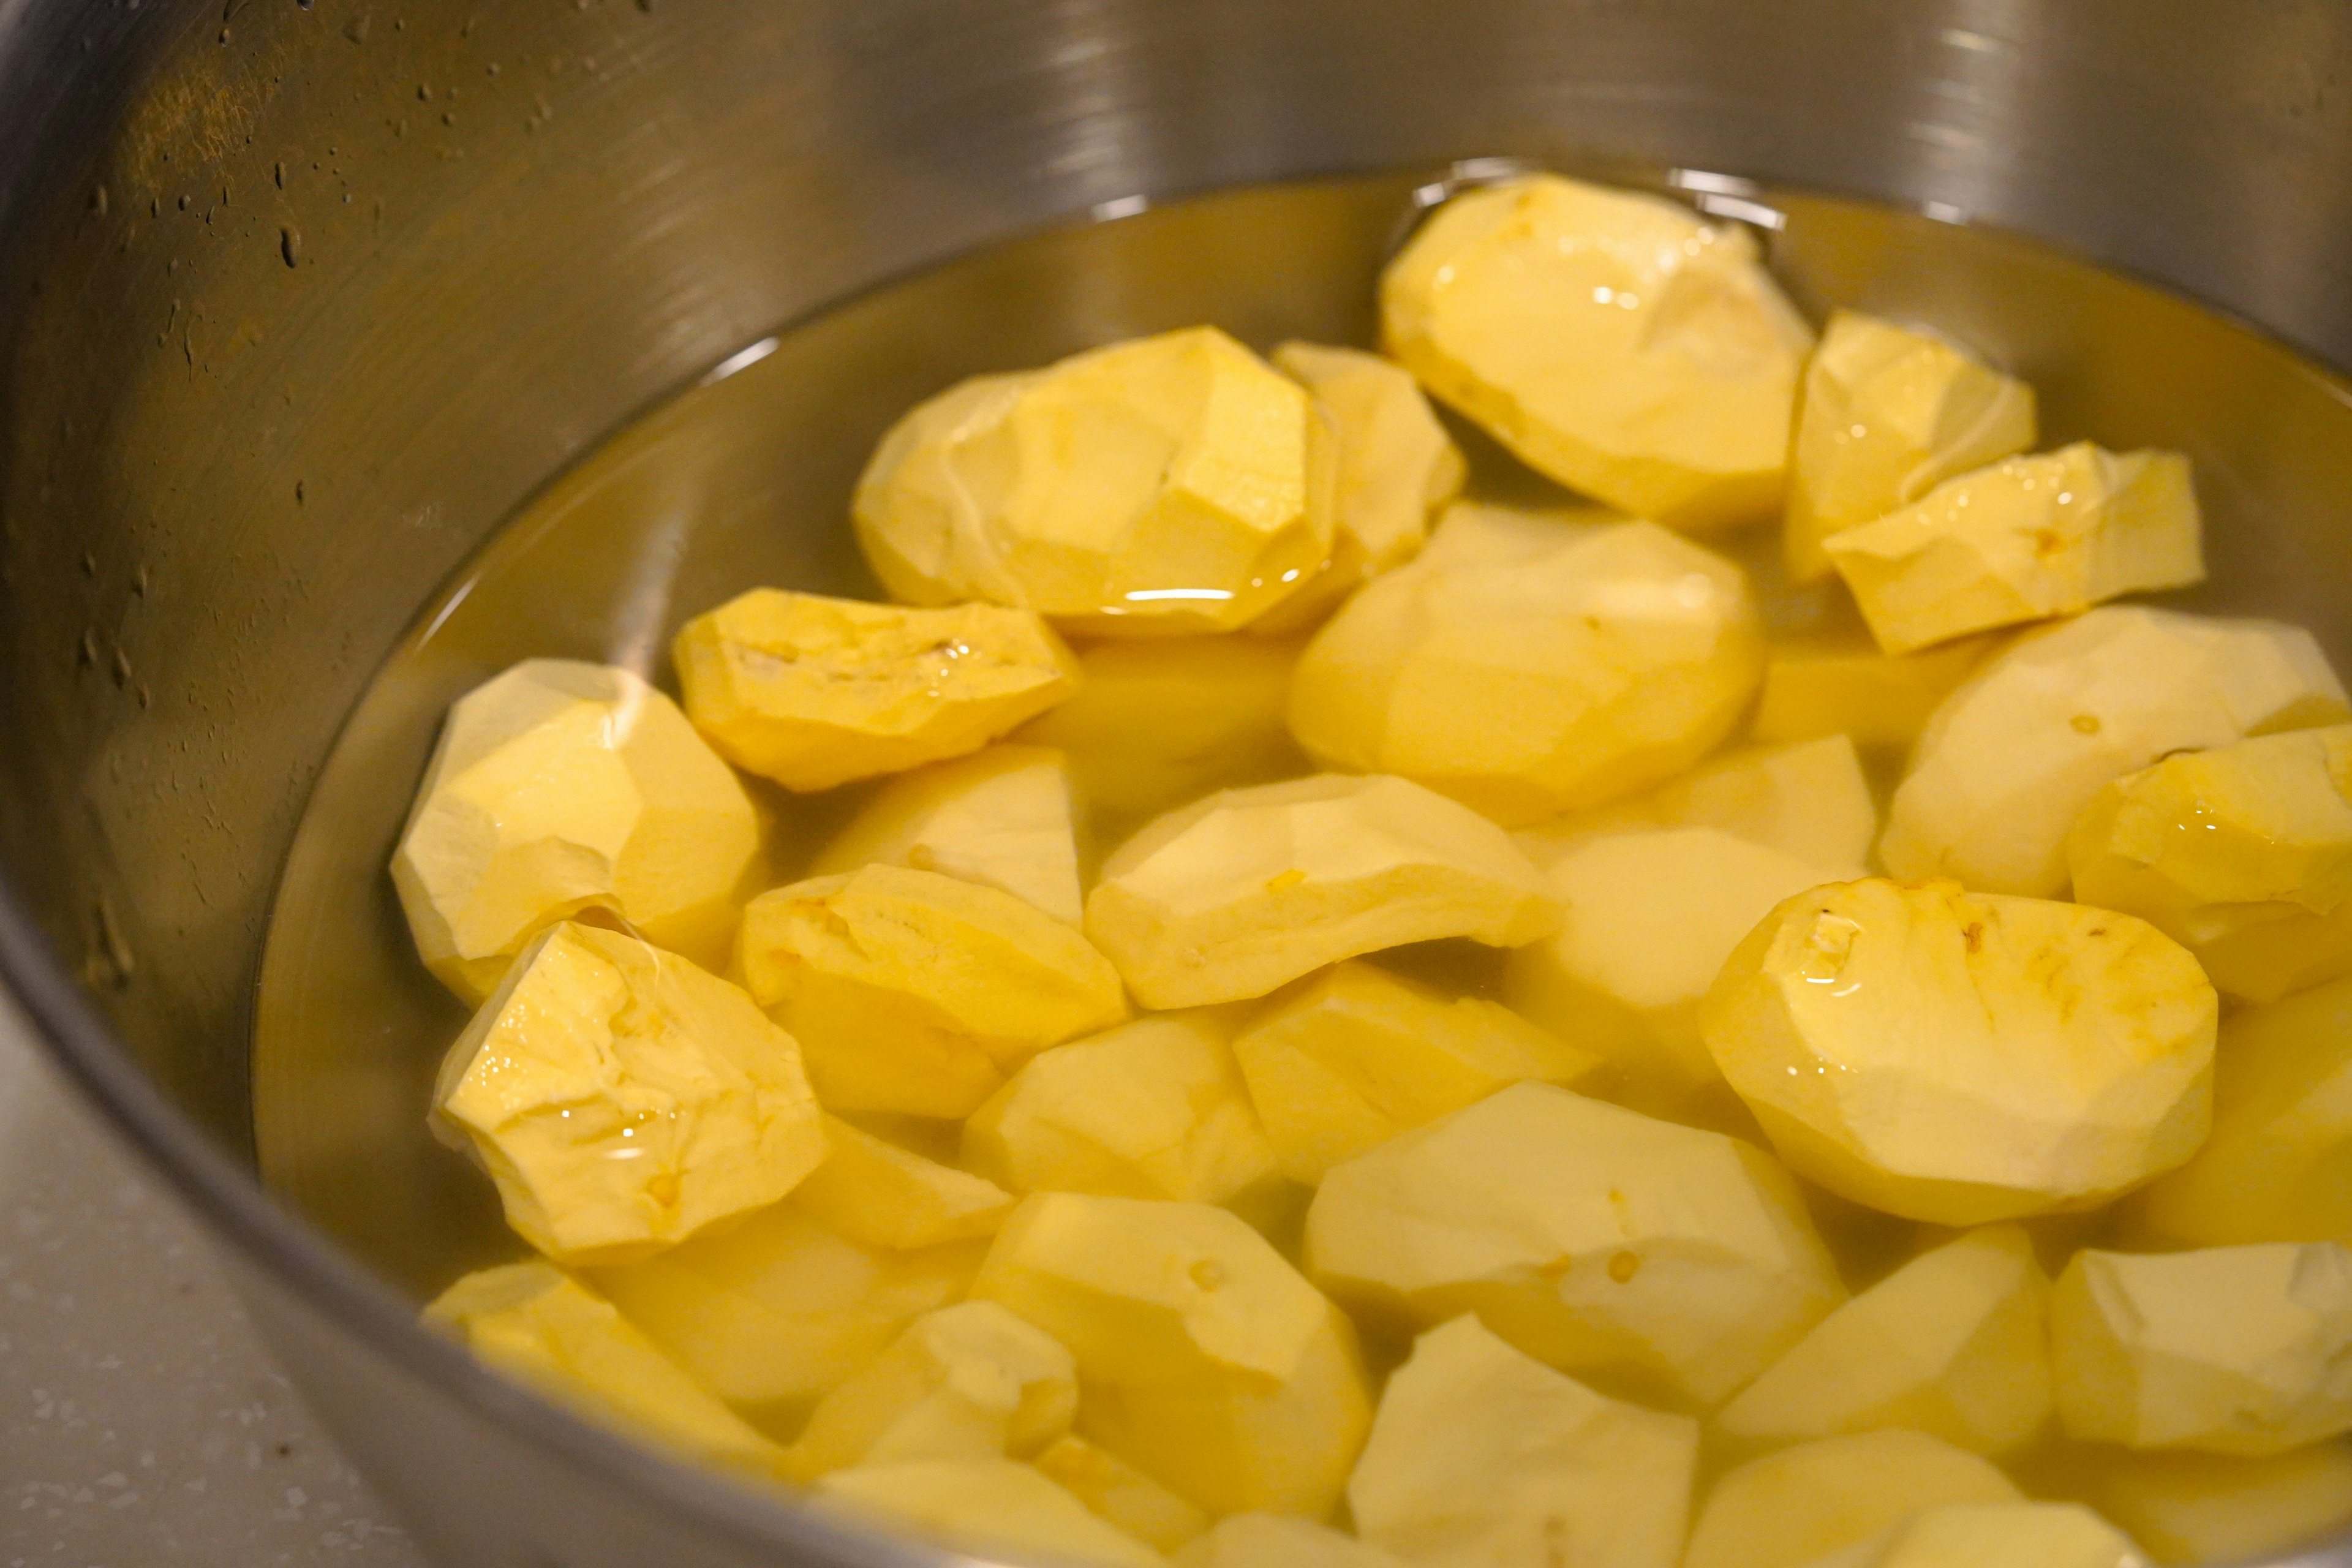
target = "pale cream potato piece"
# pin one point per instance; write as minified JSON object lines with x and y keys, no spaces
{"x":2023,"y":540}
{"x":1589,"y":1236}
{"x":1525,"y":682}
{"x":1954,"y":1343}
{"x":623,"y":1099}
{"x":1960,"y":1057}
{"x":1480,"y":1455}
{"x":914,"y":991}
{"x":1348,"y":1058}
{"x":2243,"y":853}
{"x":1176,"y":483}
{"x":1125,"y":1497}
{"x":1616,"y":341}
{"x":814,"y":691}
{"x":1809,"y":799}
{"x":1838,"y":682}
{"x":966,"y":1381}
{"x":2013,"y":755}
{"x":1995,"y":1535}
{"x":2191,"y":1511}
{"x":1885,"y":415}
{"x":1279,"y":1540}
{"x":560,"y":787}
{"x":1789,"y":1508}
{"x":1204,"y":1359}
{"x":1241,"y":893}
{"x":2231,"y":1349}
{"x":994,"y":1508}
{"x":875,"y":1194}
{"x":1004,"y":817}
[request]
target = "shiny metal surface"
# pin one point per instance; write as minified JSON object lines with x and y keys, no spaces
{"x":298,"y":300}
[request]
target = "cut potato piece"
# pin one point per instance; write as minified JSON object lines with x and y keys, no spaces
{"x":966,"y":1381}
{"x":918,"y":992}
{"x":1961,"y":1057}
{"x":2013,"y":756}
{"x":1125,"y":1497}
{"x":622,"y":1099}
{"x":1810,"y":800}
{"x":994,"y":1508}
{"x":1279,"y":1540}
{"x":1954,"y":1343}
{"x":1839,"y":683}
{"x":2230,"y":1350}
{"x":1995,"y":1535}
{"x":2191,"y":1511}
{"x":1003,"y":817}
{"x":1480,"y":1455}
{"x":1788,"y":1509}
{"x":1203,"y":1358}
{"x":2243,"y":853}
{"x":1546,"y":681}
{"x":1589,"y":1236}
{"x":1253,"y":888}
{"x":1885,"y":416}
{"x":1176,"y":483}
{"x":878,"y":1195}
{"x":1616,"y":341}
{"x":814,"y":691}
{"x":1347,"y":1058}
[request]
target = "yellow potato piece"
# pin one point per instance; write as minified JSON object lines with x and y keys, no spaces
{"x":1837,"y":682}
{"x":1125,"y":1497}
{"x":1347,"y":1058}
{"x":2012,"y":757}
{"x":1004,"y":817}
{"x":1616,"y":341}
{"x":1810,"y":799}
{"x":813,"y":691}
{"x":560,"y":787}
{"x":2278,"y":1166}
{"x":540,"y":1326}
{"x":1176,"y":483}
{"x":1885,"y":416}
{"x":1953,"y":1343}
{"x":1961,"y":1057}
{"x":1527,"y":675}
{"x":1481,"y":1455}
{"x":1279,"y":1540}
{"x":2230,"y":1350}
{"x":1789,"y":1508}
{"x":1995,"y":1535}
{"x":1154,"y":1109}
{"x":875,"y":1194}
{"x":2023,"y":540}
{"x":1203,"y":1358}
{"x":967,"y":1382}
{"x":623,"y":1099}
{"x":777,"y":1312}
{"x":2243,"y":853}
{"x":1587,"y":1235}
{"x":915,"y":992}
{"x":995,"y":1507}
{"x":2191,"y":1511}
{"x":1249,"y":889}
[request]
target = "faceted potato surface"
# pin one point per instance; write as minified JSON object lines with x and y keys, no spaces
{"x":623,"y":1099}
{"x":562,"y":786}
{"x":1124,"y":1495}
{"x":1960,"y":1057}
{"x":875,"y":1194}
{"x":1169,"y":484}
{"x":1261,"y":1539}
{"x":1792,"y":1508}
{"x":1995,"y":1535}
{"x":995,"y":1507}
{"x":1615,"y":341}
{"x":1241,"y":893}
{"x":1482,"y":1455}
{"x":1004,"y":817}
{"x":1838,"y":682}
{"x":1809,"y":799}
{"x":2192,"y":1509}
{"x":813,"y":691}
{"x":967,"y":1382}
{"x":1573,"y":670}
{"x":1589,"y":1236}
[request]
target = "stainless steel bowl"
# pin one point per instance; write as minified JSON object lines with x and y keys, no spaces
{"x":300,"y":298}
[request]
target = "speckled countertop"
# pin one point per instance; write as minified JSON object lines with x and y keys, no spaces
{"x":141,"y":1423}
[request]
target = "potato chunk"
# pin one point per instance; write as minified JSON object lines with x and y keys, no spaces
{"x":2243,"y":853}
{"x":2193,"y":1509}
{"x":1839,"y":683}
{"x":1481,"y":1455}
{"x":1154,"y":1109}
{"x":1616,"y":341}
{"x":814,"y":692}
{"x":1599,"y":662}
{"x":1004,"y":817}
{"x":995,"y":1507}
{"x":540,"y":1326}
{"x":2023,"y":540}
{"x":1885,"y":416}
{"x":1203,"y":1358}
{"x":1961,"y":1057}
{"x":878,"y":1195}
{"x":2013,"y":756}
{"x":2230,"y":1350}
{"x":558,"y":787}
{"x":1124,"y":1495}
{"x":622,"y":1099}
{"x":1279,"y":1540}
{"x":1348,"y":1058}
{"x":1589,"y":1236}
{"x":966,"y":1381}
{"x":1789,"y":1508}
{"x":1810,"y":799}
{"x":1953,"y":1343}
{"x":1241,"y":893}
{"x":918,"y":992}
{"x":1174,"y":483}
{"x":1995,"y":1535}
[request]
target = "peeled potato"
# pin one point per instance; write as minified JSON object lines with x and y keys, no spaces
{"x":1789,"y":1508}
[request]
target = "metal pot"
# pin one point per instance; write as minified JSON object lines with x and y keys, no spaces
{"x":300,"y":298}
